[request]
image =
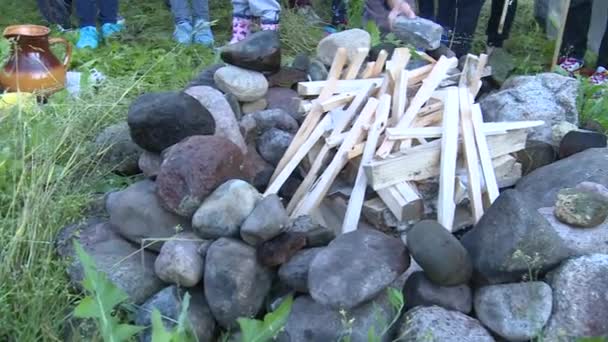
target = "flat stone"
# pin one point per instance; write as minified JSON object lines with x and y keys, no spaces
{"x":536,"y":155}
{"x":516,"y":312}
{"x":316,"y":234}
{"x":267,"y":220}
{"x":280,"y":249}
{"x":179,"y":261}
{"x":442,"y":257}
{"x":419,"y":32}
{"x":581,"y":208}
{"x":118,"y":150}
{"x":245,"y":84}
{"x":419,"y":291}
{"x":255,"y":106}
{"x":260,"y":51}
{"x":272,"y":145}
{"x":351,"y":40}
{"x":294,"y":273}
{"x":578,"y":141}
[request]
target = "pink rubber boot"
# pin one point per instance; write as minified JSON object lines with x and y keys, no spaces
{"x":269,"y":27}
{"x":241,"y":28}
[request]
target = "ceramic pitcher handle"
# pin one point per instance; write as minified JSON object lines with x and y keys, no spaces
{"x":68,"y":50}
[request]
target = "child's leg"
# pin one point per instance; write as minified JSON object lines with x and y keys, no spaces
{"x":602,"y":60}
{"x":268,"y":11}
{"x":241,"y":20}
{"x":181,"y":11}
{"x":338,"y":12}
{"x":86,"y":11}
{"x":202,"y":28}
{"x":108,"y":11}
{"x":494,"y":38}
{"x":426,"y":9}
{"x":574,"y":43}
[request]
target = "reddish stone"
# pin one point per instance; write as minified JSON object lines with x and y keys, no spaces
{"x":280,"y":249}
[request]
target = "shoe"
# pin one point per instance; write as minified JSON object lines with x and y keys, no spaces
{"x":183,"y":33}
{"x":88,"y":38}
{"x":269,"y":27}
{"x":120,"y":20}
{"x":571,"y":64}
{"x":329,"y":30}
{"x":241,"y":28}
{"x":202,"y":33}
{"x":600,"y":76}
{"x":108,"y":29}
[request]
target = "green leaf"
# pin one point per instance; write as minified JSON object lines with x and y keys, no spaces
{"x":182,"y":321}
{"x":262,"y":331}
{"x":250,"y":328}
{"x":87,"y":308}
{"x":395,"y":297}
{"x":159,"y":332}
{"x":124,"y":332}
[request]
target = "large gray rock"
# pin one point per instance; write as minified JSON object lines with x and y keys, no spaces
{"x":246,"y":85}
{"x":581,"y":208}
{"x":118,"y":150}
{"x":260,"y":51}
{"x":311,"y":321}
{"x":549,"y":97}
{"x":179,"y":261}
{"x":419,"y":32}
{"x":169,"y":303}
{"x":540,"y":187}
{"x":442,"y":257}
{"x":516,"y":312}
{"x":419,"y":291}
{"x":255,"y":124}
{"x":355,"y":267}
{"x":137,"y":214}
{"x":272,"y":145}
{"x":578,"y":241}
{"x":580,"y":303}
{"x":351,"y":40}
{"x":294,"y":273}
{"x":511,"y":240}
{"x":267,"y":220}
{"x":433,"y":323}
{"x":235,"y":282}
{"x":125,"y":264}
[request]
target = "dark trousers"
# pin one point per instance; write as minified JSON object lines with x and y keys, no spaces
{"x":56,"y":11}
{"x":495,"y":38}
{"x":87,"y":11}
{"x":576,"y":32}
{"x":338,"y":12}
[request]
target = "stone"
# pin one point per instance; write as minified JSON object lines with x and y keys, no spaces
{"x":311,"y":321}
{"x":511,"y":240}
{"x":260,"y":169}
{"x":559,"y":131}
{"x":502,"y":63}
{"x":286,"y":100}
{"x":205,"y":77}
{"x":245,"y":84}
{"x":593,"y":125}
{"x":442,"y":257}
{"x":194,"y":168}
{"x":540,"y":187}
{"x":138,"y":215}
{"x":593,"y":187}
{"x":272,"y":145}
{"x":169,"y":303}
{"x":235,"y":282}
{"x":578,"y":141}
{"x":515,"y":312}
{"x":419,"y":32}
{"x":255,"y":106}
{"x":294,"y":273}
{"x":375,"y":51}
{"x":438,"y":324}
{"x":159,"y":120}
{"x":301,"y":62}
{"x":287,"y":77}
{"x":317,"y":71}
{"x":260,"y":51}
{"x":225,"y":121}
{"x":149,"y":163}
{"x":578,"y":241}
{"x":280,"y":249}
{"x":256,"y":124}
{"x":536,"y":155}
{"x":549,"y":97}
{"x":420,"y":291}
{"x":235,"y":105}
{"x":580,"y":305}
{"x":351,"y":40}
{"x":267,"y":220}
{"x":580,"y":208}
{"x":179,"y":261}
{"x":356,"y":267}
{"x":442,"y":50}
{"x":118,"y":150}
{"x":126,"y":265}
{"x":316,"y":234}
{"x":224,"y":211}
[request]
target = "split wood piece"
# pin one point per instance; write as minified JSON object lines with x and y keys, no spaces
{"x":309,"y":179}
{"x":314,"y":197}
{"x":508,"y":171}
{"x":470,"y":153}
{"x":355,"y":65}
{"x":419,"y":74}
{"x":431,"y":107}
{"x":424,"y":94}
{"x":484,"y":154}
{"x":476,"y":85}
{"x":468,"y":71}
{"x":403,"y":201}
{"x":487,"y":128}
{"x":368,"y":71}
{"x":305,"y":106}
{"x":379,"y":63}
{"x":423,"y":161}
{"x":353,"y":212}
{"x":428,"y":120}
{"x":314,"y":116}
{"x":399,"y":96}
{"x":401,"y":56}
{"x":314,"y":88}
{"x":426,"y":57}
{"x":356,"y":151}
{"x":340,"y":119}
{"x":385,"y":87}
{"x":337,"y":101}
{"x":446,"y":207}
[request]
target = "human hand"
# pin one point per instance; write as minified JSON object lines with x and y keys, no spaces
{"x":400,"y":7}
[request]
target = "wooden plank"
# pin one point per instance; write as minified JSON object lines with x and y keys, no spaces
{"x":309,"y":179}
{"x":343,"y":86}
{"x":368,"y":71}
{"x":430,"y":108}
{"x":449,"y":156}
{"x":379,"y":64}
{"x":356,"y":151}
{"x":355,"y":65}
{"x":314,"y":197}
{"x":470,"y":153}
{"x":399,"y":96}
{"x":476,"y":85}
{"x":487,"y":128}
{"x":423,"y":161}
{"x":337,"y":101}
{"x":484,"y":154}
{"x":353,"y":212}
{"x":314,"y":116}
{"x":419,"y":74}
{"x":403,"y":201}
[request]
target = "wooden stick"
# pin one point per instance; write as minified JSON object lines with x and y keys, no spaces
{"x":560,"y":33}
{"x":382,"y":56}
{"x":309,"y":179}
{"x":476,"y":84}
{"x":399,"y":96}
{"x":484,"y":154}
{"x":337,"y":101}
{"x":470,"y":153}
{"x":487,"y":128}
{"x":503,"y":17}
{"x":419,"y":74}
{"x":403,"y":201}
{"x":353,"y":212}
{"x":315,"y":88}
{"x":368,"y":71}
{"x":355,"y":64}
{"x":446,"y":207}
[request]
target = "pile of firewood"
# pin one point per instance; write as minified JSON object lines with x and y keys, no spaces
{"x":396,"y":128}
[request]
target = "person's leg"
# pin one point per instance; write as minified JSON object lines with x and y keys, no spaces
{"x":268,"y":11}
{"x":241,"y":20}
{"x":338,"y":13}
{"x":108,"y":11}
{"x":202,"y":27}
{"x":181,"y":11}
{"x":574,"y":45}
{"x":87,"y":12}
{"x":494,"y":38}
{"x":445,"y":13}
{"x":602,"y":60}
{"x":465,"y":23}
{"x":426,"y":9}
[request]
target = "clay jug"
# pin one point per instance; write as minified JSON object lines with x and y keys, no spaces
{"x":32,"y":67}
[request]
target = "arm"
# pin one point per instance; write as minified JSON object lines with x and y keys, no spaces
{"x":399,"y":7}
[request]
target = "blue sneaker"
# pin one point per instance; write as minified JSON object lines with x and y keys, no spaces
{"x":183,"y":33}
{"x":108,"y":29}
{"x":88,"y":38}
{"x":202,"y":33}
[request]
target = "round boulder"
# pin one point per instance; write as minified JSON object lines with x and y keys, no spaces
{"x":581,"y":208}
{"x":440,"y":324}
{"x":245,"y":84}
